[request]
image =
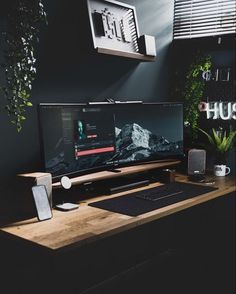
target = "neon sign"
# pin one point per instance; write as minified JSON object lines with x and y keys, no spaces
{"x":218,"y":110}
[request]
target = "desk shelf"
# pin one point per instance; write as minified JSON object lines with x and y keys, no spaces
{"x":124,"y":171}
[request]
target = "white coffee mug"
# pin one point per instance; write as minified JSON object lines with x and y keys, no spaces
{"x":221,"y":170}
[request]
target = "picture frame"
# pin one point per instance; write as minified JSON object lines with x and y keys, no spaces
{"x":114,"y":28}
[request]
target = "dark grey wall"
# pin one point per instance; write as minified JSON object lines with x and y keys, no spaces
{"x":67,"y":74}
{"x":223,"y":55}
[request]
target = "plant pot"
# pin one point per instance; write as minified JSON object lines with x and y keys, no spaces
{"x":220,"y":159}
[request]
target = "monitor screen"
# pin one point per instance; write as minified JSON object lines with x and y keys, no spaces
{"x":81,"y":138}
{"x":76,"y":138}
{"x":148,"y":132}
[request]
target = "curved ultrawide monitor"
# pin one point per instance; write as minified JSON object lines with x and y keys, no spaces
{"x":82,"y":138}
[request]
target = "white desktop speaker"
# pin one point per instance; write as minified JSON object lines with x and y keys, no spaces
{"x":196,"y":162}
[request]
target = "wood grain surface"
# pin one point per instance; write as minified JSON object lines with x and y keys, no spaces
{"x":88,"y":224}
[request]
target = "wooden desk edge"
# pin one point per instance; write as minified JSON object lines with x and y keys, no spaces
{"x":120,"y":225}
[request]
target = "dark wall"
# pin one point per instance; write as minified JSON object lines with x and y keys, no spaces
{"x":66,"y":72}
{"x":223,"y":55}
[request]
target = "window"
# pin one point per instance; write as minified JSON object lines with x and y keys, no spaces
{"x":202,"y":18}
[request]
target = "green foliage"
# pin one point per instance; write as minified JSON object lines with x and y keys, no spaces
{"x":193,"y":92}
{"x":220,"y":141}
{"x":23,"y":21}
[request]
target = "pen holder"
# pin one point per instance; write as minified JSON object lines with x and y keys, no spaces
{"x":167,"y":176}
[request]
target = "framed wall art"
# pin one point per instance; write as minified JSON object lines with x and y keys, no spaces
{"x":114,"y":29}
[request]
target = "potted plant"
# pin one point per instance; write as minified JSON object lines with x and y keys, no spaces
{"x":221,"y":142}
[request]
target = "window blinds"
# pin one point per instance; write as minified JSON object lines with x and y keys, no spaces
{"x":202,"y":18}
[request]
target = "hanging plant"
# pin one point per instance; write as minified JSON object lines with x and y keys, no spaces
{"x":193,"y":93}
{"x":23,"y":21}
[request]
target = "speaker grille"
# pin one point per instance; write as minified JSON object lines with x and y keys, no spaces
{"x":196,"y":161}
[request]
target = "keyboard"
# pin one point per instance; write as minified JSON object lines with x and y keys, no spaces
{"x":160,"y":192}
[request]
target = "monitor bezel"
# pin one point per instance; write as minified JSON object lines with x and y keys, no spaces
{"x":112,"y":165}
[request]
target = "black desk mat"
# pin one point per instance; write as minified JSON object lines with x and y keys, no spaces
{"x":133,"y":206}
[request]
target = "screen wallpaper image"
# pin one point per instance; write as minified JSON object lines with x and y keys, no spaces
{"x":76,"y":139}
{"x":148,"y":133}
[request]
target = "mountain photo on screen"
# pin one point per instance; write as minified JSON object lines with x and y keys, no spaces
{"x":147,"y":133}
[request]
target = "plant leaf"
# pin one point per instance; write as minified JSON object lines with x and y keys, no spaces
{"x":216,"y":137}
{"x":230,"y":138}
{"x":208,"y":136}
{"x":222,"y":144}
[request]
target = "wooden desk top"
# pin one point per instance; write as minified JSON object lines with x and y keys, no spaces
{"x":88,"y":224}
